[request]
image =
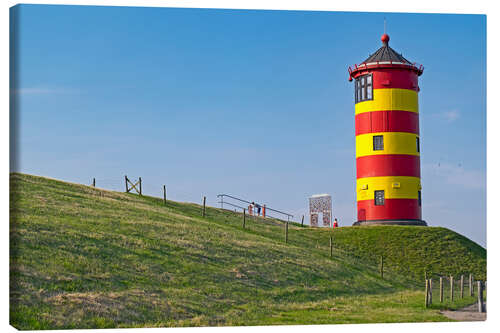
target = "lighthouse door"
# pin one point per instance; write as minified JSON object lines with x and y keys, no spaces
{"x":362,"y":215}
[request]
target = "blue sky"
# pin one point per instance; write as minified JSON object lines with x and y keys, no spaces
{"x":251,"y":103}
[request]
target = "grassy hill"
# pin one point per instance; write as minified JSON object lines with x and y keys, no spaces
{"x":415,"y":251}
{"x":88,"y":258}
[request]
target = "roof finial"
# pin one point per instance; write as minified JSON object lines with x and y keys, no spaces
{"x":385,"y":36}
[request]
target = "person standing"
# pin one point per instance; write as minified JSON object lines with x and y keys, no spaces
{"x":335,"y":223}
{"x":258,"y":207}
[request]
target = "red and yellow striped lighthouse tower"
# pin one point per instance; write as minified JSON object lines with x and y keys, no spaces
{"x":387,"y":139}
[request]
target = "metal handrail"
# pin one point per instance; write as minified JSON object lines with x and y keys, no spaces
{"x":230,"y":204}
{"x":364,"y":65}
{"x":243,"y":208}
{"x":243,"y":200}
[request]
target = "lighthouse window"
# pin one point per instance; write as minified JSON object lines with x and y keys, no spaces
{"x":418,"y":145}
{"x":357,"y":91}
{"x":363,"y":88}
{"x":379,"y":198}
{"x":378,"y":142}
{"x":420,"y":198}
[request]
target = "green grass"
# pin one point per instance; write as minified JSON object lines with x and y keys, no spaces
{"x":89,"y":258}
{"x":415,"y":251}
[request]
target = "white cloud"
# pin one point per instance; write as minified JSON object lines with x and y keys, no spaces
{"x":456,"y":175}
{"x":450,"y":116}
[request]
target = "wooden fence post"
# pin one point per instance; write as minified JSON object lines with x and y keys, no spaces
{"x":461,"y":286}
{"x":426,"y":293}
{"x":204,"y":199}
{"x":471,"y":285}
{"x":451,"y":288}
{"x":244,"y":217}
{"x":382,"y":267}
{"x":93,"y":182}
{"x":480,"y":296}
{"x":126,"y":184}
{"x":302,"y":220}
{"x":286,"y":232}
{"x":164,"y":194}
{"x":331,"y":247}
{"x":140,"y":186}
{"x":430,"y":291}
{"x":441,"y":289}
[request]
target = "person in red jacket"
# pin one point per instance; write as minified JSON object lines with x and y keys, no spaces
{"x":335,"y":223}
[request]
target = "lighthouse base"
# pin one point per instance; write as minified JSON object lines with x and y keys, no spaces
{"x":391,"y":222}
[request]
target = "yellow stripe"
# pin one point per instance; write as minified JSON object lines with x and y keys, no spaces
{"x":389,"y":99}
{"x":408,"y":187}
{"x":394,"y":143}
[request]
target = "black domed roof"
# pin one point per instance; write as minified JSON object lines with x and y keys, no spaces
{"x":385,"y":57}
{"x":386,"y":53}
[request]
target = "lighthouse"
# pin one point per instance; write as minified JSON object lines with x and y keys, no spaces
{"x":388,"y":186}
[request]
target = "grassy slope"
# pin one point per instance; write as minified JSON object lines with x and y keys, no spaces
{"x":86,"y":258}
{"x":412,"y":251}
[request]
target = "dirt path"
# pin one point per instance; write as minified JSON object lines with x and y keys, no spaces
{"x":469,"y":313}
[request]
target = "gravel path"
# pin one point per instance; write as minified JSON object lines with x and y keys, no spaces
{"x":469,"y":313}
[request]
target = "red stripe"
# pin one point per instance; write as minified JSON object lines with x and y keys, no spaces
{"x":393,"y":209}
{"x":386,"y":121}
{"x":388,"y":165}
{"x":395,"y":78}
